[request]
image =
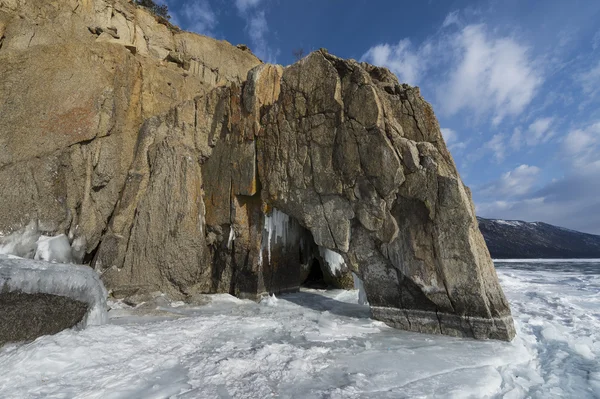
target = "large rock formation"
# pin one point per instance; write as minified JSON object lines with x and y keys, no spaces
{"x":39,"y":298}
{"x":178,"y":163}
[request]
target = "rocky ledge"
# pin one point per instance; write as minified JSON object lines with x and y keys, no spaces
{"x":165,"y":178}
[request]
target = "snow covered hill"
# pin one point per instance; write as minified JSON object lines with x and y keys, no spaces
{"x":516,"y":239}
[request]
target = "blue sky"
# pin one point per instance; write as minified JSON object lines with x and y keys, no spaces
{"x":515,"y":84}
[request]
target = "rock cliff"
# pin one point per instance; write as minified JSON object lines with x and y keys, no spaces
{"x":176,"y":162}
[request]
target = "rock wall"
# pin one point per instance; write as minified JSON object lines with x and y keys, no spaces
{"x":183,"y":164}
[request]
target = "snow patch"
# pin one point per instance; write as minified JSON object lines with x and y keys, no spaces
{"x":21,"y":243}
{"x":513,"y":223}
{"x":334,"y":261}
{"x":269,"y":300}
{"x":53,"y":249}
{"x":29,"y":243}
{"x":80,"y":283}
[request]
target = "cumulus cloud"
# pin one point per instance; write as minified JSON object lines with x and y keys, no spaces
{"x":492,"y":74}
{"x":400,"y":58}
{"x":488,"y":73}
{"x":515,"y":183}
{"x":571,"y":201}
{"x":196,"y":16}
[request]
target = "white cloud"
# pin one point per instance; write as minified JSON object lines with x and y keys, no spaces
{"x":582,"y":146}
{"x":590,"y":80}
{"x":571,"y":201}
{"x":196,"y":16}
{"x":497,"y":146}
{"x":451,"y":140}
{"x":451,"y":19}
{"x":514,"y":183}
{"x":596,"y":41}
{"x":540,"y":131}
{"x":257,"y":29}
{"x":244,"y":5}
{"x":450,"y":136}
{"x":516,"y":139}
{"x":490,"y":74}
{"x":401,"y":59}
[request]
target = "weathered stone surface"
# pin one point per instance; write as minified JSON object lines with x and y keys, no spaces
{"x":189,"y":167}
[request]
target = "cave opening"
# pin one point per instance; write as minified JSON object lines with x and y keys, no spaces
{"x":315,"y":278}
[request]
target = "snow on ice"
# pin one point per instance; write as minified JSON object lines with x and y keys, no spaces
{"x":316,"y":344}
{"x":29,"y":243}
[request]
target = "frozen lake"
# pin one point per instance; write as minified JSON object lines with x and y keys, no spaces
{"x":322,"y":344}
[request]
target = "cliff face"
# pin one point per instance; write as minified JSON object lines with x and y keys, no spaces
{"x":178,"y":163}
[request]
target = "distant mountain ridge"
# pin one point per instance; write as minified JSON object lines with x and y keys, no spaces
{"x":517,"y":239}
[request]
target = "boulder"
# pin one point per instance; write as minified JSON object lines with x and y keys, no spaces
{"x":39,"y":298}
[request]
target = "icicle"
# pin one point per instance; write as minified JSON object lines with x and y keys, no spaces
{"x":359,"y":285}
{"x":231,"y":237}
{"x":276,"y":226}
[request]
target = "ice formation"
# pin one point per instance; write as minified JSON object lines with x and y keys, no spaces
{"x":29,"y":243}
{"x":80,"y":283}
{"x":362,"y":294}
{"x":231,"y":237}
{"x":53,"y":249}
{"x":278,"y":228}
{"x":334,"y":261}
{"x":21,"y":243}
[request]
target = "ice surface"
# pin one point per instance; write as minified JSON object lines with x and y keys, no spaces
{"x":333,"y":260}
{"x":322,"y":344}
{"x":54,"y":249}
{"x":81,"y":283}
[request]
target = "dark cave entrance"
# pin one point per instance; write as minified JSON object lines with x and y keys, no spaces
{"x":315,"y":278}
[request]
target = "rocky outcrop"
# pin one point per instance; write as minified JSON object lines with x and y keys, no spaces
{"x":24,"y":317}
{"x":171,"y":180}
{"x":39,"y":298}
